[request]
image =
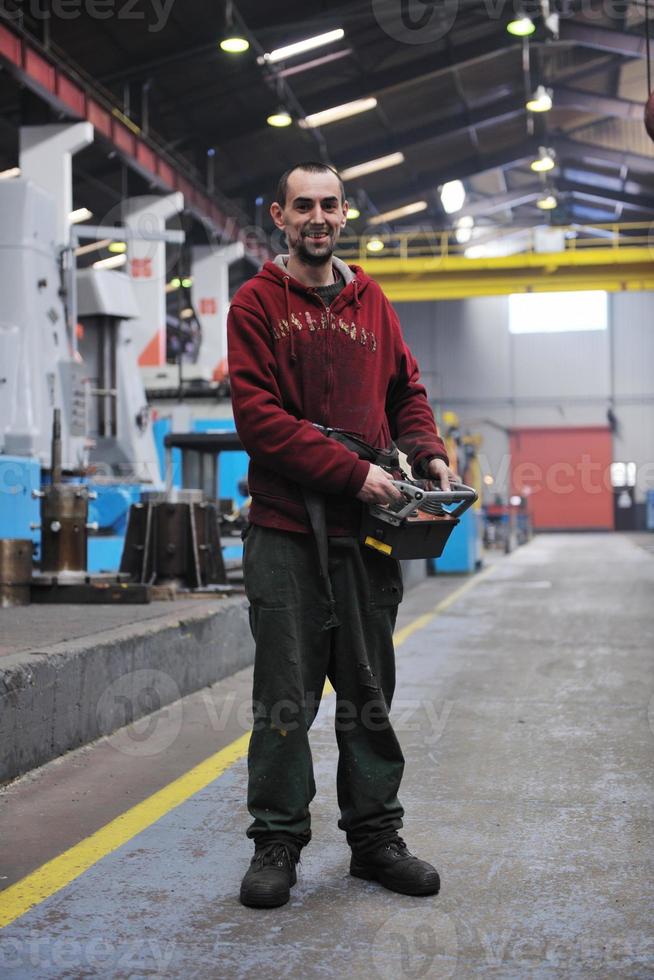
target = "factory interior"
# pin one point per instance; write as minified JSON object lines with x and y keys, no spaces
{"x":498,"y":163}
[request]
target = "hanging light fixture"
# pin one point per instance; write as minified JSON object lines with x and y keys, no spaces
{"x":234,"y":44}
{"x":353,"y":213}
{"x":544,"y":162}
{"x":547,"y":203}
{"x":280,"y":118}
{"x":375,"y":245}
{"x":453,"y":196}
{"x":541,"y":100}
{"x":234,"y":40}
{"x":521,"y":26}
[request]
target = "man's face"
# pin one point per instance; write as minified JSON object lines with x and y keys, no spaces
{"x":312,"y":217}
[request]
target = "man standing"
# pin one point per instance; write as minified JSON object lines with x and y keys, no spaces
{"x":315,"y":346}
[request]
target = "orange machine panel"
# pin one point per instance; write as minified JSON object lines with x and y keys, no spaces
{"x":565,"y":472}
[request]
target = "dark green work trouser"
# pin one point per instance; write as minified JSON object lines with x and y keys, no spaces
{"x":294,"y":655}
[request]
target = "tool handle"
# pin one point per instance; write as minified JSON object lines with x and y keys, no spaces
{"x":458,"y":493}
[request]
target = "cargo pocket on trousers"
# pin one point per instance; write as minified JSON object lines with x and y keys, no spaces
{"x":385,"y":582}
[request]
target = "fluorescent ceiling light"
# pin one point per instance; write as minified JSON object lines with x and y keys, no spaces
{"x":290,"y":50}
{"x":279,"y":119}
{"x":541,"y":100}
{"x":547,"y":203}
{"x":92,"y":247}
{"x":375,"y":245}
{"x":235,"y":44}
{"x":113,"y":262}
{"x":544,"y":161}
{"x":453,"y":195}
{"x":372,"y":166}
{"x":402,"y":212}
{"x":337,"y":113}
{"x":521,"y":27}
{"x":80,"y":214}
{"x":12,"y":172}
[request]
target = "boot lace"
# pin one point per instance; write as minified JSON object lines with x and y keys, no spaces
{"x":396,"y":845}
{"x":277,"y":854}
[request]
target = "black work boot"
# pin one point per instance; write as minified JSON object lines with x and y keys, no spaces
{"x":271,"y":875}
{"x":394,"y":867}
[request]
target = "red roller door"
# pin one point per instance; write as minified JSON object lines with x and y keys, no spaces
{"x":566,"y":474}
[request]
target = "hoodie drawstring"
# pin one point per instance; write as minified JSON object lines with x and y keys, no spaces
{"x":288,"y":319}
{"x":357,"y":302}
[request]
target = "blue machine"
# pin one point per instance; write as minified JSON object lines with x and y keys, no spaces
{"x":650,"y":510}
{"x":19,"y":476}
{"x":463,"y":550}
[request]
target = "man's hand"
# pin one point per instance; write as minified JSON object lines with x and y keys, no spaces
{"x":441,"y":474}
{"x":379,"y":487}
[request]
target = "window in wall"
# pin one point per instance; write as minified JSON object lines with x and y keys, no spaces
{"x":558,"y":312}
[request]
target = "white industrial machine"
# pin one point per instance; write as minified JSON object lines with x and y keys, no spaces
{"x":38,"y":368}
{"x":48,"y":358}
{"x":118,"y":420}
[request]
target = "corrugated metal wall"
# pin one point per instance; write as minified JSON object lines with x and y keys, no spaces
{"x":495,"y":380}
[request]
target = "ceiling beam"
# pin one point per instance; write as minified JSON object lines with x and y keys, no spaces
{"x":520,"y":154}
{"x":590,"y":153}
{"x":597,"y":104}
{"x":603,"y":39}
{"x":503,"y":202}
{"x":605,"y":181}
{"x":489,"y":115}
{"x":633,"y":202}
{"x":492,"y":114}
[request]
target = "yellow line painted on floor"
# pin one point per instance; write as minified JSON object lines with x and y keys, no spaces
{"x":61,"y":870}
{"x":444,"y":604}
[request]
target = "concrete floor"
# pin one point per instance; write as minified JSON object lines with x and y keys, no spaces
{"x":526,"y":712}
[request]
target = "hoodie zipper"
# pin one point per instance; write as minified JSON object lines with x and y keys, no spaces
{"x":329,"y":381}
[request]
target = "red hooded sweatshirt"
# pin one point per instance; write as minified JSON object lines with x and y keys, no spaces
{"x":294,"y":361}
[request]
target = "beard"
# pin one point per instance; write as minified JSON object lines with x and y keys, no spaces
{"x":310,"y":254}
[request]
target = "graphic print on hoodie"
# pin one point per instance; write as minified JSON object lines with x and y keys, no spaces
{"x":292,"y":362}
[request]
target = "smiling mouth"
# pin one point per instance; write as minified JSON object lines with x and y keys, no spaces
{"x":316,"y":234}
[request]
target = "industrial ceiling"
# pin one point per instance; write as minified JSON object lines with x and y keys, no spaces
{"x":450,"y":85}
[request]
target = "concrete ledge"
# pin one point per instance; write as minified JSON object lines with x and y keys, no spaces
{"x":56,"y":698}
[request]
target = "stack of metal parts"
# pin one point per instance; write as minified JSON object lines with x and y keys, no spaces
{"x":173,"y":540}
{"x":64,"y":537}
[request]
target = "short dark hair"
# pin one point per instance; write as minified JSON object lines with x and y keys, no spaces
{"x":312,"y":166}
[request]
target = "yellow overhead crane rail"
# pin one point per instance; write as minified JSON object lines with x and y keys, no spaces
{"x":423,"y":266}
